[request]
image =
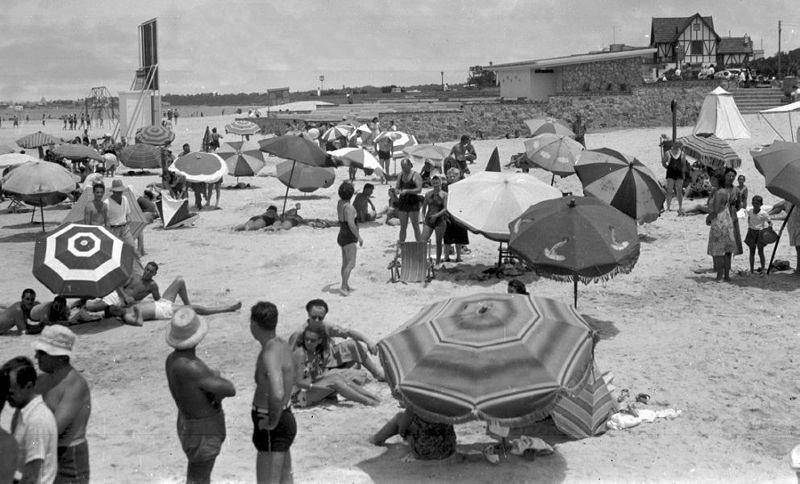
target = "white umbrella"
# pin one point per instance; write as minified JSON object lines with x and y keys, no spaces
{"x":12,"y":159}
{"x":357,"y":157}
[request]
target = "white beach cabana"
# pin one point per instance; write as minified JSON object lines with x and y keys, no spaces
{"x":788,"y":109}
{"x":720,"y":116}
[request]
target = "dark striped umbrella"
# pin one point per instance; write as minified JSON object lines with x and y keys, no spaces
{"x":82,"y":261}
{"x":505,"y":358}
{"x":140,"y":156}
{"x":37,"y":139}
{"x":556,"y":153}
{"x":295,"y":148}
{"x":200,"y":167}
{"x":76,"y":152}
{"x":242,"y":127}
{"x":710,"y":151}
{"x":621,"y":181}
{"x":154,"y":135}
{"x":244,"y":158}
{"x":303,"y":177}
{"x":584,"y":412}
{"x":549,"y":125}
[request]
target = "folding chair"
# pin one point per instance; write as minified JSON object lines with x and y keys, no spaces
{"x":412,"y":263}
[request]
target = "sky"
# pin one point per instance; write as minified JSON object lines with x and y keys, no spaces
{"x":60,"y":50}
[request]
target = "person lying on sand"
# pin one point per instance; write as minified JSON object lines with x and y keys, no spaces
{"x":166,"y":307}
{"x":258,"y":222}
{"x":18,"y":313}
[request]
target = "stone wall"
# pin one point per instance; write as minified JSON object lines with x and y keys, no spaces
{"x":621,"y":75}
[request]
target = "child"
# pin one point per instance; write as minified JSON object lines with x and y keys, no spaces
{"x":741,"y":193}
{"x":757,"y":220}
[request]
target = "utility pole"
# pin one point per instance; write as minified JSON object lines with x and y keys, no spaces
{"x":321,"y":84}
{"x":779,"y":49}
{"x":442,"y":80}
{"x":614,"y":34}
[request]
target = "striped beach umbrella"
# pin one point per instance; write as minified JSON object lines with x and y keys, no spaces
{"x":243,"y":158}
{"x":242,"y":127}
{"x":710,"y":151}
{"x":200,"y":167}
{"x":428,"y":152}
{"x":154,"y":135}
{"x":621,"y":181}
{"x":82,"y":261}
{"x":503,"y":358}
{"x":37,"y":139}
{"x":76,"y":152}
{"x":584,"y":413}
{"x":295,"y":148}
{"x":400,"y":141}
{"x":487,"y":201}
{"x":358,"y":157}
{"x":338,"y":131}
{"x":548,"y":125}
{"x":140,"y":156}
{"x":555,"y":153}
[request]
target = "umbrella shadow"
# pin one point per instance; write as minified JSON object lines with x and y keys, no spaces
{"x":28,"y":225}
{"x":240,"y":186}
{"x":776,"y":281}
{"x":138,"y":173}
{"x":21,"y":237}
{"x":96,"y":327}
{"x":483,"y":274}
{"x":604,"y":329}
{"x":303,"y":197}
{"x":646,"y":239}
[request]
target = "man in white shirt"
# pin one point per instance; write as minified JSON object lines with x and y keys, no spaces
{"x":118,"y":213}
{"x":33,"y":425}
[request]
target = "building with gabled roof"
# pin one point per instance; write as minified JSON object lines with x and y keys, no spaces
{"x":693,"y":40}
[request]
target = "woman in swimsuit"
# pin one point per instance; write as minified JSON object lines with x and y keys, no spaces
{"x":348,"y":234}
{"x":434,"y":213}
{"x":409,"y":186}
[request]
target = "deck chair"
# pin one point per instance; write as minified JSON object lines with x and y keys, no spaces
{"x":412,"y":263}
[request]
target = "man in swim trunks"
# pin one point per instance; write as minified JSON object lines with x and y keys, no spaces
{"x":96,"y":212}
{"x":365,"y":209}
{"x":18,"y":313}
{"x":385,"y":147}
{"x":198,"y":392}
{"x":274,"y":427}
{"x":258,"y":222}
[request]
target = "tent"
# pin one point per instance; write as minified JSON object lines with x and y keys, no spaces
{"x":788,"y":109}
{"x":137,"y":219}
{"x":720,"y":116}
{"x":174,"y":213}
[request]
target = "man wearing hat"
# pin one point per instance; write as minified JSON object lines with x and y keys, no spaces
{"x":119,"y":212}
{"x":66,"y":393}
{"x":198,"y":392}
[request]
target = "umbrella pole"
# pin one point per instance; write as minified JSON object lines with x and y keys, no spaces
{"x":286,"y":195}
{"x":775,"y":249}
{"x":41,"y":209}
{"x":575,"y":291}
{"x":553,"y":180}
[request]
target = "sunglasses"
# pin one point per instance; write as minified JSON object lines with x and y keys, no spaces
{"x":316,"y":318}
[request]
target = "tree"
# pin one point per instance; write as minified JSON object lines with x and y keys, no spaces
{"x":481,"y":78}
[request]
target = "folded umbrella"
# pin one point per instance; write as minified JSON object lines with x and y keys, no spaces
{"x":154,"y":135}
{"x":710,"y":151}
{"x":200,"y":167}
{"x":244,"y":158}
{"x":242,"y":127}
{"x":140,"y":156}
{"x":76,"y":152}
{"x":304,"y":177}
{"x":553,"y":152}
{"x":82,"y":261}
{"x":584,"y":412}
{"x":549,"y":125}
{"x":504,"y":358}
{"x":621,"y":181}
{"x":494,"y":161}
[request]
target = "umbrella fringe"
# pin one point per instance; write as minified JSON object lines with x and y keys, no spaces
{"x":623,"y":267}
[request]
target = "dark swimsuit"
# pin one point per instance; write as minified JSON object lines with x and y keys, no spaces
{"x":435,"y":204}
{"x":346,"y":236}
{"x":675,"y":167}
{"x":409,"y":202}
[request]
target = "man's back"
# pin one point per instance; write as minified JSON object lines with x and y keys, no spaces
{"x":72,"y":392}
{"x":274,"y":350}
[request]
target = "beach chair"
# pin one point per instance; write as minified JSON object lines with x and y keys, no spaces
{"x":412,"y":263}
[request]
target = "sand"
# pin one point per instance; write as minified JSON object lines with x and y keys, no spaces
{"x":720,"y":352}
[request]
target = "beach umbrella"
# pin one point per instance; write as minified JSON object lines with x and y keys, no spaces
{"x":428,"y":152}
{"x":710,"y":151}
{"x":487,"y":201}
{"x":357,"y":157}
{"x":364,"y":129}
{"x":780,"y":165}
{"x":11,"y":159}
{"x":304,"y":177}
{"x":338,"y":131}
{"x":503,"y":358}
{"x":555,"y":153}
{"x":400,"y":141}
{"x":621,"y":181}
{"x":4,"y":150}
{"x":200,"y":167}
{"x":494,"y":161}
{"x":244,"y":158}
{"x":140,"y":156}
{"x":295,"y":148}
{"x":37,"y":140}
{"x":242,"y":127}
{"x":82,"y":261}
{"x":575,"y":239}
{"x":154,"y":135}
{"x":76,"y":152}
{"x":174,"y":213}
{"x":584,"y":412}
{"x":39,"y":183}
{"x":549,"y":125}
{"x":136,"y":218}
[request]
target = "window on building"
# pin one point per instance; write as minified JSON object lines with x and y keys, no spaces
{"x":696,"y":26}
{"x":697,"y":47}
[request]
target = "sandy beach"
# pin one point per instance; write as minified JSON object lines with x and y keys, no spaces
{"x":719,"y":352}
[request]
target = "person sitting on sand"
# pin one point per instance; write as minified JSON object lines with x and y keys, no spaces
{"x":258,"y":222}
{"x":19,"y":313}
{"x":315,"y":382}
{"x":515,"y":286}
{"x":428,"y":440}
{"x":365,"y":209}
{"x":349,"y":352}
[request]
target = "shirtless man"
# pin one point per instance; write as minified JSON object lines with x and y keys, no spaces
{"x":274,"y":427}
{"x":18,"y":313}
{"x":67,"y":395}
{"x":96,"y":212}
{"x":198,"y":392}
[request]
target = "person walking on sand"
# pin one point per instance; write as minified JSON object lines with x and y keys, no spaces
{"x":274,"y":427}
{"x":348,"y":234}
{"x":67,"y":395}
{"x":198,"y":392}
{"x":674,"y":161}
{"x":409,"y":186}
{"x":723,"y":242}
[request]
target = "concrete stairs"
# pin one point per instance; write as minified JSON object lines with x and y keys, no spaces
{"x":753,"y":100}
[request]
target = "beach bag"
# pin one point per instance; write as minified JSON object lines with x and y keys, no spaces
{"x":768,"y":236}
{"x":781,"y":265}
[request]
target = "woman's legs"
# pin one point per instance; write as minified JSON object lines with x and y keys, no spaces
{"x":719,"y":264}
{"x":670,"y":188}
{"x":760,"y":257}
{"x":440,"y":229}
{"x":403,"y":225}
{"x":348,"y":263}
{"x":414,"y":218}
{"x":390,"y":429}
{"x":353,"y":392}
{"x":753,"y":259}
{"x":727,"y":266}
{"x":427,"y":231}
